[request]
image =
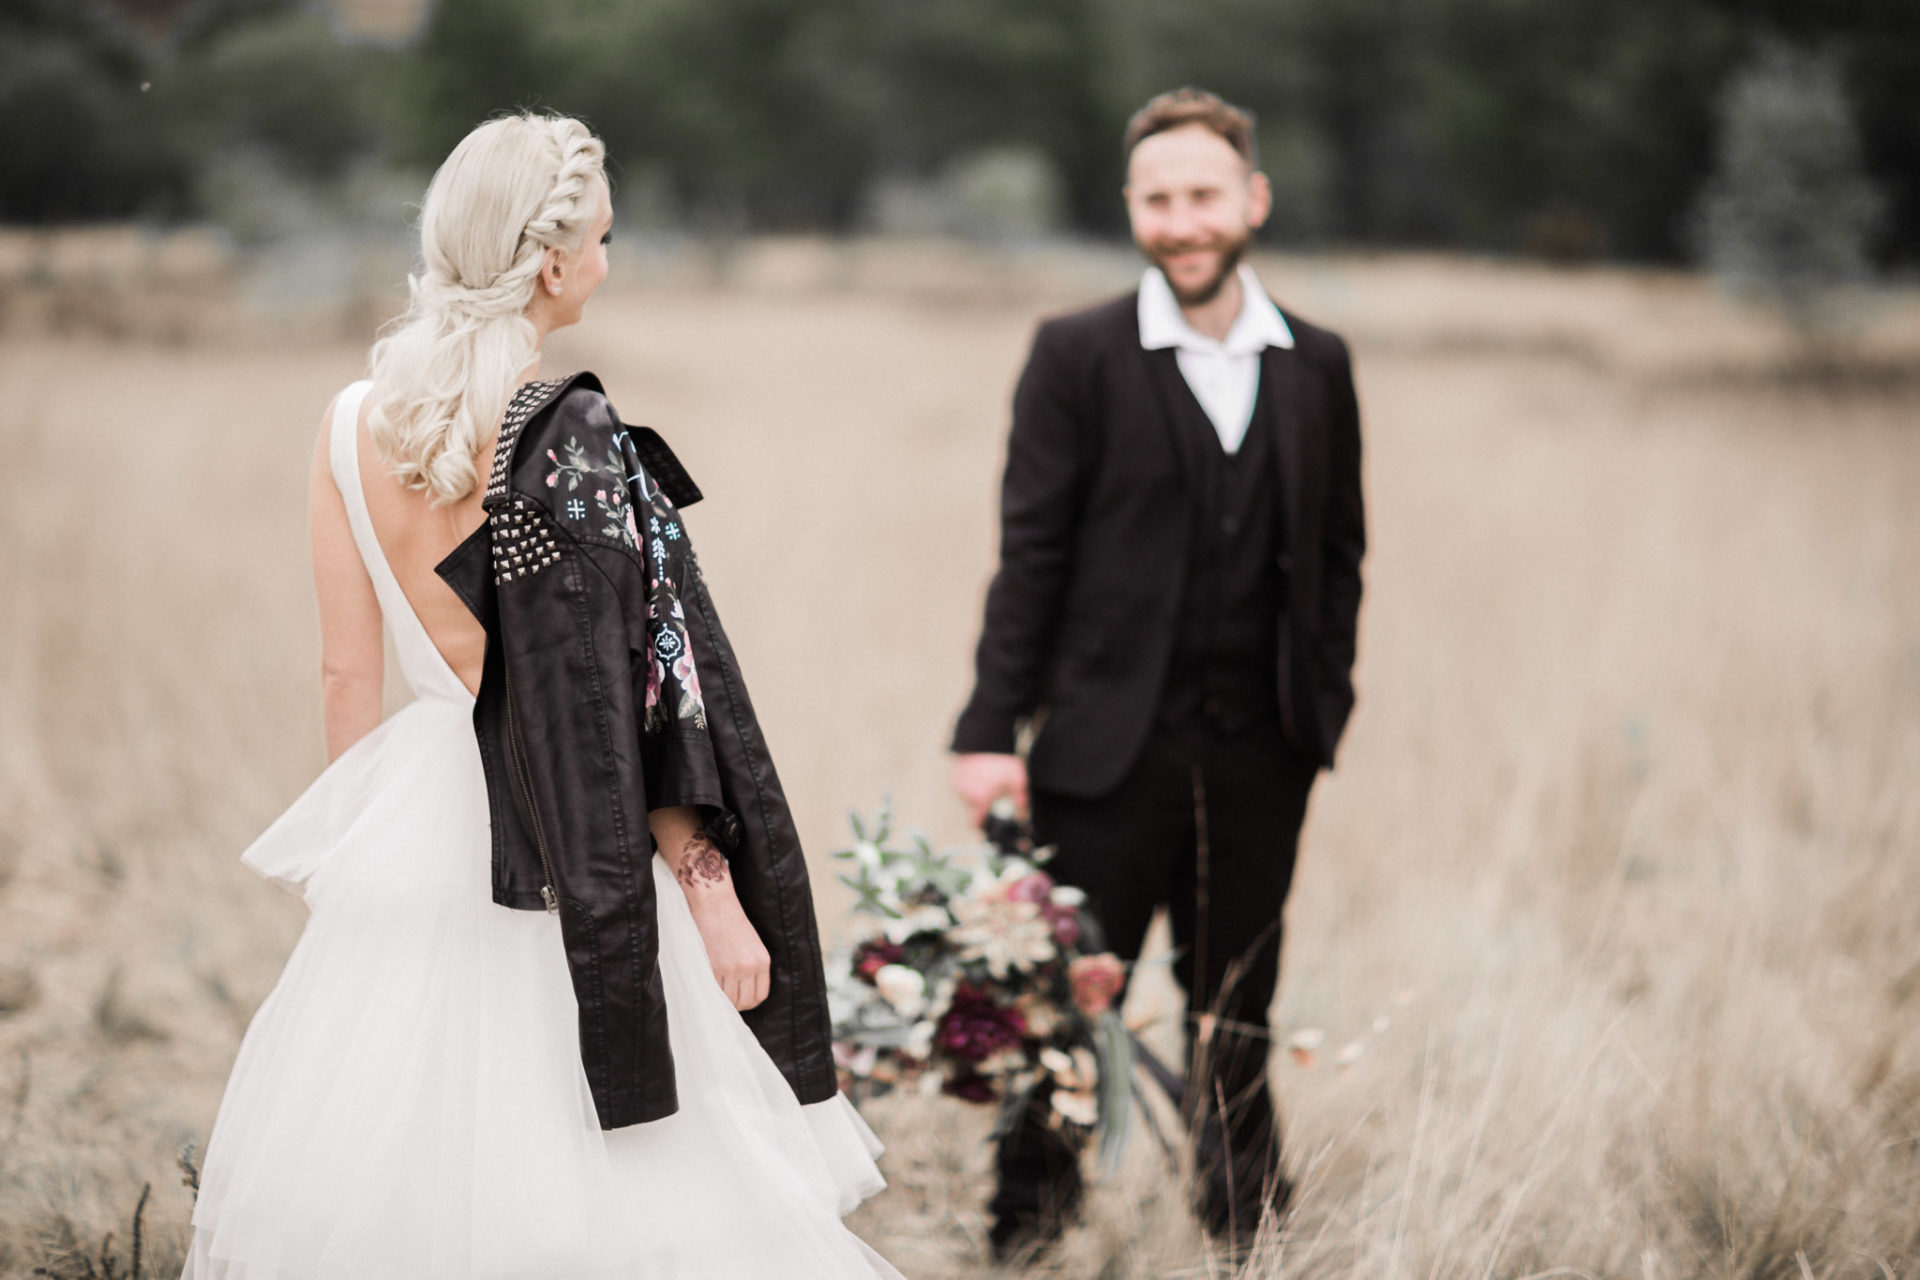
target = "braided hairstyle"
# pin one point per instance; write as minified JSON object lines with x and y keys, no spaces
{"x":513,"y":189}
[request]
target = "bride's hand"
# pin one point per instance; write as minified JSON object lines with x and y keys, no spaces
{"x":740,"y":962}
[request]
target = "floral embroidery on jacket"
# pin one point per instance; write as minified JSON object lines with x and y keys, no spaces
{"x":672,"y":649}
{"x":618,"y":485}
{"x":608,"y":476}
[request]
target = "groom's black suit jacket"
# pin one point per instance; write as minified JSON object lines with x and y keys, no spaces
{"x":1097,"y":509}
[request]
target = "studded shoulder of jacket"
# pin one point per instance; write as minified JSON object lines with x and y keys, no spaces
{"x":521,"y":544}
{"x":566,"y":465}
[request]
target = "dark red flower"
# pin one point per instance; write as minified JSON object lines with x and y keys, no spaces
{"x":875,"y":954}
{"x":972,"y":1086}
{"x":975,"y":1026}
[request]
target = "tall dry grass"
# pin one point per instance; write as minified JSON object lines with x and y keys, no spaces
{"x":1612,"y":896}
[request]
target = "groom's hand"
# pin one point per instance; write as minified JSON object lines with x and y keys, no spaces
{"x":981,"y":777}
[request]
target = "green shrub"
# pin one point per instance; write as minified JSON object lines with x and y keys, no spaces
{"x":79,"y":136}
{"x":1790,"y":212}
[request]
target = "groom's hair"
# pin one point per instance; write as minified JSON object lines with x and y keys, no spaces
{"x":1178,"y":107}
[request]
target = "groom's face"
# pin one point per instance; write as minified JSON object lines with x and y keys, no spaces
{"x":1194,"y":203}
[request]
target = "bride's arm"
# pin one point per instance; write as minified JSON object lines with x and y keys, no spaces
{"x":352,"y":650}
{"x":739,"y":958}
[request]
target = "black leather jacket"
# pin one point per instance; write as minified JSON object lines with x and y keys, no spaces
{"x":610,"y":690}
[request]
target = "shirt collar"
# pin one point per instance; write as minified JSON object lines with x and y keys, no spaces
{"x":1258,"y":326}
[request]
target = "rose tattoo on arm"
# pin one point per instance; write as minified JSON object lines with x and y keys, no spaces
{"x":701,"y":864}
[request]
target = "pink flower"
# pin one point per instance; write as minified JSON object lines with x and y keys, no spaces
{"x":656,"y":675}
{"x":553,"y":480}
{"x":1096,"y":981}
{"x":1065,"y":922}
{"x":1031,"y":888}
{"x":689,"y":678}
{"x":633,"y":536}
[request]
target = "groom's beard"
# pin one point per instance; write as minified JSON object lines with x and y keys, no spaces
{"x":1230,"y":251}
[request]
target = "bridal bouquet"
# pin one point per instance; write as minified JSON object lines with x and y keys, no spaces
{"x":979,"y":977}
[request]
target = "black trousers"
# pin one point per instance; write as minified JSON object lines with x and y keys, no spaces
{"x":1207,"y":824}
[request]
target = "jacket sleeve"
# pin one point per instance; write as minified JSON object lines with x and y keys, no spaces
{"x":1344,"y":543}
{"x":1039,"y":509}
{"x":676,"y":742}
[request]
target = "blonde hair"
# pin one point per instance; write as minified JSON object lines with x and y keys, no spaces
{"x":514,"y":188}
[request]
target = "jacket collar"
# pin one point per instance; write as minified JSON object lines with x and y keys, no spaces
{"x":664,"y":467}
{"x":535,"y":398}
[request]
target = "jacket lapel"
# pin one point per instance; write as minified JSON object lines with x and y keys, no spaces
{"x":1177,"y":408}
{"x":1284,"y":398}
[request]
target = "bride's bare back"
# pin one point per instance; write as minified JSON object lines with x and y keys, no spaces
{"x":415,"y":536}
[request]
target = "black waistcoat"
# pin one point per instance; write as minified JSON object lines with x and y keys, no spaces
{"x":1224,"y":670}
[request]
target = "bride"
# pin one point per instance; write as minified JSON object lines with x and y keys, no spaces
{"x":557,"y":1012}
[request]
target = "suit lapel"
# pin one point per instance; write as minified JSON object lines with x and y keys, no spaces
{"x":1178,"y":409}
{"x":1284,"y":397}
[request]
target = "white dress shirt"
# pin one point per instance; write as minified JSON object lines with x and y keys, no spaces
{"x":1224,"y":375}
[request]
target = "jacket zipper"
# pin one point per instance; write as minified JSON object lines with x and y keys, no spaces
{"x":517,"y":757}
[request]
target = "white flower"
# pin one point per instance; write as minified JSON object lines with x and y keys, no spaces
{"x":923,"y":919}
{"x":845,"y":993}
{"x":1012,"y":872}
{"x":1067,"y":895}
{"x":903,"y":988}
{"x":867,"y":854}
{"x":999,"y":1064}
{"x":919,"y":1045}
{"x":1042,"y":1018}
{"x":1080,"y":1108}
{"x":1077,"y":1072}
{"x":1007,"y":935}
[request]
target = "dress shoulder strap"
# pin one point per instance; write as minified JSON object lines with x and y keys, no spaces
{"x":343,"y":450}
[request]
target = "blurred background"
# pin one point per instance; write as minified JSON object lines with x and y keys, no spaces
{"x":1605,"y":917}
{"x":1568,"y":132}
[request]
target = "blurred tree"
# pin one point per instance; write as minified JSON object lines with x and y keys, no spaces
{"x":475,"y":59}
{"x":762,"y":110}
{"x":1878,"y":45}
{"x":964,"y":76}
{"x":1494,"y":124}
{"x":81,"y":137}
{"x":1550,"y":115}
{"x":758,"y":110}
{"x":1789,"y":210}
{"x":282,"y":83}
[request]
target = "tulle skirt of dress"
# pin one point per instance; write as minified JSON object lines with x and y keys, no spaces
{"x":409,"y":1101}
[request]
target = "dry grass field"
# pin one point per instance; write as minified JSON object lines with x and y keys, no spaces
{"x":1610,"y":909}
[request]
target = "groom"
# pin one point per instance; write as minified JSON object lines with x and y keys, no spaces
{"x":1172,"y":629}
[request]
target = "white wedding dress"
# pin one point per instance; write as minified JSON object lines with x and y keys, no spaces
{"x":409,"y":1103}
